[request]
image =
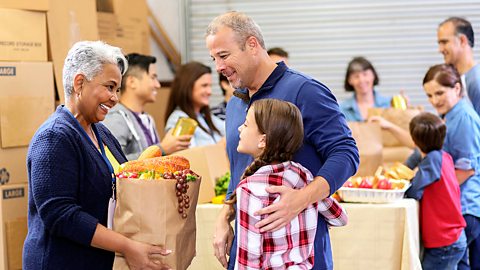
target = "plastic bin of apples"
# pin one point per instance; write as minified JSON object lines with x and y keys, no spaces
{"x":387,"y":185}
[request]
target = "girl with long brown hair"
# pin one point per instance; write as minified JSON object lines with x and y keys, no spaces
{"x":272,"y":133}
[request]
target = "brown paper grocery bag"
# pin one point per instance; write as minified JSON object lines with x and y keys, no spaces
{"x":398,"y":117}
{"x":369,"y":142}
{"x":147,"y":211}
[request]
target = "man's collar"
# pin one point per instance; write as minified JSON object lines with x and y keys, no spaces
{"x":277,"y":73}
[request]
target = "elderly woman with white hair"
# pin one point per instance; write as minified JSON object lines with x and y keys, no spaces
{"x":70,"y":175}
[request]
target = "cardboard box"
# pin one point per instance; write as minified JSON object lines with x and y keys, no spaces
{"x":26,"y":100}
{"x":210,"y":162}
{"x":13,"y":165}
{"x":69,"y":22}
{"x":128,"y":8}
{"x":107,"y":27}
{"x":129,"y":19}
{"x":105,"y":6}
{"x":40,"y":5}
{"x":23,"y":35}
{"x":133,"y":35}
{"x":127,"y":32}
{"x":13,"y":224}
{"x":132,"y":8}
{"x":133,"y":21}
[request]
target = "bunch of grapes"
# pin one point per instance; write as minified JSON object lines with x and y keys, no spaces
{"x":182,"y":178}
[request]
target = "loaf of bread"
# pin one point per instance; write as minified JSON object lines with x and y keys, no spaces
{"x":151,"y":152}
{"x":167,"y":164}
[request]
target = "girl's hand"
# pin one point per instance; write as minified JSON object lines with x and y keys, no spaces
{"x":223,"y":237}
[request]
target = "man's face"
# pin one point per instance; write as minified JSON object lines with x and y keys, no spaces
{"x":148,"y":85}
{"x":449,"y":44}
{"x":230,"y":60}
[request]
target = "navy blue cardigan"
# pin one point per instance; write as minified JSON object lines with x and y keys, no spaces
{"x":69,"y":188}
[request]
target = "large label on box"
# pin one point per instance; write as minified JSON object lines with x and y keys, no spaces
{"x":13,"y":193}
{"x":8,"y":71}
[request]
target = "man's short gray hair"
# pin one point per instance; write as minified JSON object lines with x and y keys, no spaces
{"x":243,"y":26}
{"x":88,"y":58}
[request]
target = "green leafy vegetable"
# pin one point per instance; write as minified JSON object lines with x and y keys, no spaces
{"x":221,"y":185}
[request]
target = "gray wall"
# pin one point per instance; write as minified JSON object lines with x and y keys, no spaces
{"x":399,"y":38}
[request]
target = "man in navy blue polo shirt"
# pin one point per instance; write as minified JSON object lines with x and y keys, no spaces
{"x":236,"y":44}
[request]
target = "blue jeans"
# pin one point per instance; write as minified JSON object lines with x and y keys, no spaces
{"x":473,"y":241}
{"x":447,"y":257}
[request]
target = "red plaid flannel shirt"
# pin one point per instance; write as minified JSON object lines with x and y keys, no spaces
{"x":291,"y":246}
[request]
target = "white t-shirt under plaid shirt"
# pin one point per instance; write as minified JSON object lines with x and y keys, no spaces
{"x":290,"y":247}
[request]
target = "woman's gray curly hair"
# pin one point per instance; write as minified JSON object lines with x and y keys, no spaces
{"x":88,"y":58}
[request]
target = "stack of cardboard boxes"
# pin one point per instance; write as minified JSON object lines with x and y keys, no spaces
{"x":26,"y":100}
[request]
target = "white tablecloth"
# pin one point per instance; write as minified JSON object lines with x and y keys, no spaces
{"x":378,"y":236}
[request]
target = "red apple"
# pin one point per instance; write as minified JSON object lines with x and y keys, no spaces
{"x":384,"y":184}
{"x":348,"y":184}
{"x":366,"y":183}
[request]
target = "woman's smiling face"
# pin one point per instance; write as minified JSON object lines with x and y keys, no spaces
{"x":97,"y":96}
{"x":442,"y":98}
